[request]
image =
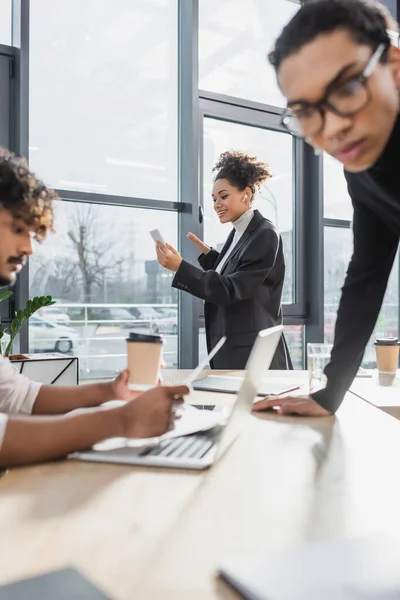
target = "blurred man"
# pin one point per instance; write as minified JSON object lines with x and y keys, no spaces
{"x":340,"y":74}
{"x":26,"y":212}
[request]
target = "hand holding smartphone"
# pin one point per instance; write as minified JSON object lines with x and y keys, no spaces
{"x":157,"y":236}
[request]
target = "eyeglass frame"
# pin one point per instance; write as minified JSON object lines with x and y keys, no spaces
{"x":323,"y":105}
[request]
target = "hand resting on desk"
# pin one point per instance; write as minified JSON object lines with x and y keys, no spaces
{"x":292,"y":405}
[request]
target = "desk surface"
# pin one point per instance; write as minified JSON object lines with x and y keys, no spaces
{"x":385,"y":398}
{"x":160,"y":534}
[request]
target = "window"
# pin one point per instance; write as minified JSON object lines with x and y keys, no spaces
{"x":5,"y":22}
{"x":234,"y":40}
{"x":101,"y":268}
{"x":339,"y":243}
{"x":275,"y":201}
{"x":103,"y":96}
{"x":337,"y":202}
{"x":294,"y":335}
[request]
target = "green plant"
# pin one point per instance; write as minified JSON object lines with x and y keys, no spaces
{"x":21,"y":317}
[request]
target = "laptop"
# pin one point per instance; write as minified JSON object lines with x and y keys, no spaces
{"x":341,"y":569}
{"x":200,"y":450}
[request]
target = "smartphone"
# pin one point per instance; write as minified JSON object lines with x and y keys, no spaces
{"x":156,"y":235}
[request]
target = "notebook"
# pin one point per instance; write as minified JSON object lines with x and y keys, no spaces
{"x":64,"y":584}
{"x":355,"y":569}
{"x":231,"y":385}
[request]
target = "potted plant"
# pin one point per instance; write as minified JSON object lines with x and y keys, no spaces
{"x":21,"y":317}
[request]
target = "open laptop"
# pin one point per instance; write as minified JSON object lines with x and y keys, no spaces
{"x":200,"y":450}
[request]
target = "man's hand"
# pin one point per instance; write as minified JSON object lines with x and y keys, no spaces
{"x":153,"y":413}
{"x":292,"y":405}
{"x":168,"y":257}
{"x":149,"y":415}
{"x":201,"y":245}
{"x":120,"y":388}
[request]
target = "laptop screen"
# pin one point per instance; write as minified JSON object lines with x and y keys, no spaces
{"x":258,"y":363}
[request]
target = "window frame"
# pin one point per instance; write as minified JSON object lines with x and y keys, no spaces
{"x":193,"y":105}
{"x":252,"y":114}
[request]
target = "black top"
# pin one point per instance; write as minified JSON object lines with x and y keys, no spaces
{"x":245,"y":297}
{"x":375,"y":194}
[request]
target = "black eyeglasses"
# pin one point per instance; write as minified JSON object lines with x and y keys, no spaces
{"x":345,"y":101}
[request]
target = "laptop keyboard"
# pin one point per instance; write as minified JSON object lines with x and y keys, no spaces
{"x":192,"y":446}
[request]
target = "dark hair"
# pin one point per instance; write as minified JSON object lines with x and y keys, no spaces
{"x":365,"y":21}
{"x":25,"y":196}
{"x":242,"y":170}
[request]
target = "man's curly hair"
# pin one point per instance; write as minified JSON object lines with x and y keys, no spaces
{"x":25,"y":196}
{"x":242,"y":170}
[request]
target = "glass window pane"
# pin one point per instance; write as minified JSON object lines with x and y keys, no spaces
{"x":337,"y":202}
{"x":294,"y":335}
{"x":101,"y":269}
{"x":275,"y":201}
{"x":5,"y":22}
{"x":103,"y":96}
{"x":339,"y":243}
{"x":234,"y":40}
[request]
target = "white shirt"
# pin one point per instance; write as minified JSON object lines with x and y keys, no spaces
{"x":240,"y":226}
{"x":17,"y":394}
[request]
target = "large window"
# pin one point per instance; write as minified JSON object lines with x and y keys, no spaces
{"x":235,"y":38}
{"x":275,"y":200}
{"x":338,"y":244}
{"x":103,"y":96}
{"x":101,"y":269}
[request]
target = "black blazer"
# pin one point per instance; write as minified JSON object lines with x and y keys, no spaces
{"x":245,"y":298}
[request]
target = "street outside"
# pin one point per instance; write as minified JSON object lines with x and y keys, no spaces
{"x":100,"y":344}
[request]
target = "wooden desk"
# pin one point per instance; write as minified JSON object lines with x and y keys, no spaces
{"x":157,"y":534}
{"x":385,"y":398}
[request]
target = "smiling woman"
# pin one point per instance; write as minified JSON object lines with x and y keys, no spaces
{"x":242,"y":284}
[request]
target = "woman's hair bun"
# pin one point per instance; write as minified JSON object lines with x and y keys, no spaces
{"x":242,"y":170}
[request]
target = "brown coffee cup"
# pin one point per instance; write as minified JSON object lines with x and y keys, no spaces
{"x":144,"y":359}
{"x":387,"y":358}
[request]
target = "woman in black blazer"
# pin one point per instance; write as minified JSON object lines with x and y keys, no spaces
{"x":241,"y":285}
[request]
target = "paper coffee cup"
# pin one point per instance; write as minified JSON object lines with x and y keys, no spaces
{"x":387,"y":358}
{"x":144,"y":360}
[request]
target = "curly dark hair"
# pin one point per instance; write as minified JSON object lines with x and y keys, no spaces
{"x":242,"y":170}
{"x":25,"y":196}
{"x":366,"y":22}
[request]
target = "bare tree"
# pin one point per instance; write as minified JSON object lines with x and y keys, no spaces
{"x":98,"y":250}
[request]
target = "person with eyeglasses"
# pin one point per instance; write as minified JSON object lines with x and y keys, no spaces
{"x":340,"y":74}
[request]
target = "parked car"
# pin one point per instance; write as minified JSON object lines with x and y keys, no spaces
{"x":167,"y":325}
{"x":49,"y":336}
{"x":120,"y":315}
{"x":52,"y":314}
{"x":138,"y":319}
{"x":168,"y":312}
{"x":146,"y":315}
{"x":167,"y":321}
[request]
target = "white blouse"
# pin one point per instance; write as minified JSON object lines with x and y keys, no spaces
{"x":240,"y":226}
